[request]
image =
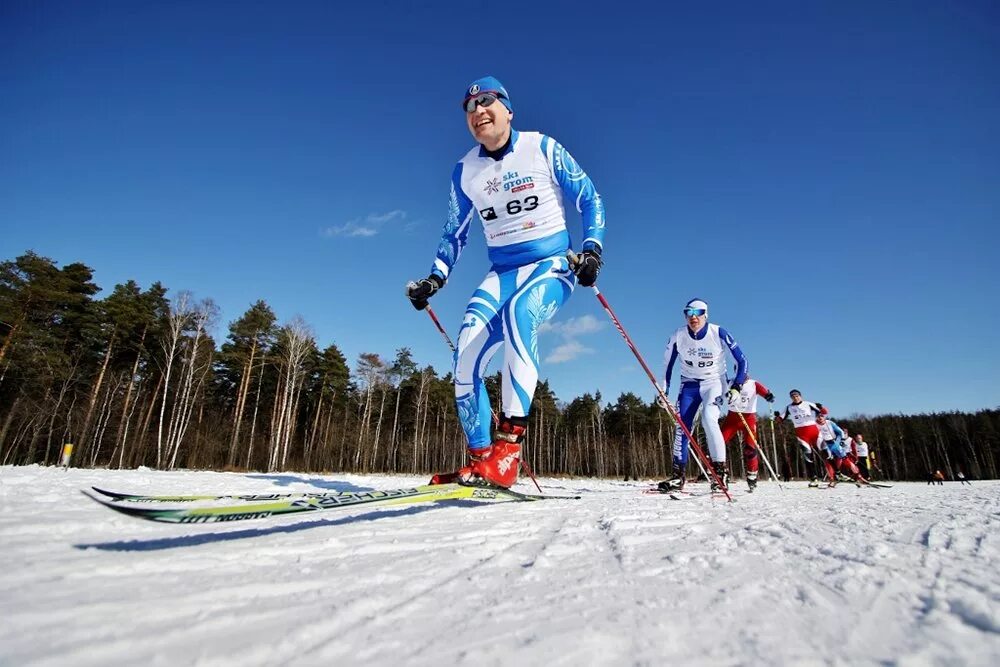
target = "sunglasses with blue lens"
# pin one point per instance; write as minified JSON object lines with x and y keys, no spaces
{"x":694,"y":312}
{"x":483,"y":99}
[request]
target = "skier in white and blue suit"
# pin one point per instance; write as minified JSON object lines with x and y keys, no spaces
{"x":514,"y":182}
{"x":701,"y":348}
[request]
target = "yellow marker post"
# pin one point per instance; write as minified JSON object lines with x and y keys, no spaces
{"x":67,"y":454}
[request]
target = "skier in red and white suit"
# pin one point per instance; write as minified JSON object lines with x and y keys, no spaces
{"x":803,"y":416}
{"x":745,"y":404}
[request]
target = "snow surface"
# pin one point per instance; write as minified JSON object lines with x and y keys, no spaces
{"x":847,"y":576}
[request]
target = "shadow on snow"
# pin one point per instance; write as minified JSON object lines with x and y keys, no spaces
{"x":318,"y":482}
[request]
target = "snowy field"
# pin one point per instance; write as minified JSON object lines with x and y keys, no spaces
{"x":908,"y":575}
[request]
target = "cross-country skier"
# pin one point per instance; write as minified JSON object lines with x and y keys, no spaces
{"x":859,"y":450}
{"x":831,"y":438}
{"x":701,"y":348}
{"x":514,"y":182}
{"x":744,"y":404}
{"x":847,"y":444}
{"x":803,"y":416}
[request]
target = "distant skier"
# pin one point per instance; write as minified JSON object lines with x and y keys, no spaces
{"x":831,"y":438}
{"x":960,"y":476}
{"x":744,"y":405}
{"x":803,"y":416}
{"x":514,"y":183}
{"x":848,"y":444}
{"x":701,"y":348}
{"x":859,"y":450}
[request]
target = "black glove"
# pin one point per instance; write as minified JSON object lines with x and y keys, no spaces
{"x":588,"y":265}
{"x":769,"y":397}
{"x":420,"y":292}
{"x":819,"y":405}
{"x":777,"y":415}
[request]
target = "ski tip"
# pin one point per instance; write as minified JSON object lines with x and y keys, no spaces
{"x":93,"y":496}
{"x":129,"y":510}
{"x":97,"y":499}
{"x":112,"y":494}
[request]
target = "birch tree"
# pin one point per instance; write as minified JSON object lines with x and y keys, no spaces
{"x":295,"y":341}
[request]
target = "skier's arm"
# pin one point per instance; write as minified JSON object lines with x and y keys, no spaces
{"x":741,"y":360}
{"x":839,"y":432}
{"x":670,"y":356}
{"x":764,"y":391}
{"x":577,"y":186}
{"x":456,"y":228}
{"x":817,"y":408}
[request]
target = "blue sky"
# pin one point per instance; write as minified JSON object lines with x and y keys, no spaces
{"x":825,"y":175}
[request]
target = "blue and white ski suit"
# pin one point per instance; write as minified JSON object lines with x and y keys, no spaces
{"x":703,"y":382}
{"x":831,"y":437}
{"x":517,"y":195}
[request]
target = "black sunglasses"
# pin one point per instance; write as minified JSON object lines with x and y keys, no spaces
{"x":483,"y":99}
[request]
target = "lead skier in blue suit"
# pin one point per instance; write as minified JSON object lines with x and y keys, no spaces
{"x":514,"y":183}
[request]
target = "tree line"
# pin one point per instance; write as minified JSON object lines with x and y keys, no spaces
{"x":135,"y":378}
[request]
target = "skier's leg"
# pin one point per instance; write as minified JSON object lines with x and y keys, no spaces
{"x":807,"y":437}
{"x":711,"y":397}
{"x":529,"y":296}
{"x":730,"y":426}
{"x":479,"y":339}
{"x":688,"y":401}
{"x":825,"y":461}
{"x":750,"y":456}
{"x":539,"y":290}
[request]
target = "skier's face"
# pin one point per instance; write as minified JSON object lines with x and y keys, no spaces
{"x":796,"y":397}
{"x":490,"y":125}
{"x":695,"y":322}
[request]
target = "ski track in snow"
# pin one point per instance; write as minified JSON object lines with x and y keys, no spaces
{"x":844,"y":576}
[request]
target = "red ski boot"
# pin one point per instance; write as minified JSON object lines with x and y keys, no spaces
{"x":499,"y":463}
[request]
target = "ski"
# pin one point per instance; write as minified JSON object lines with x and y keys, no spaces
{"x":120,"y":497}
{"x":687,"y":496}
{"x":656,"y":491}
{"x":253,"y":497}
{"x":262,"y":510}
{"x":683,"y":495}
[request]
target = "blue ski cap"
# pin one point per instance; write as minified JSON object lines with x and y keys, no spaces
{"x":696,"y":304}
{"x":488,"y":84}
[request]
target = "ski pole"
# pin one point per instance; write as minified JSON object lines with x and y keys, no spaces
{"x":496,"y":419}
{"x":699,"y":454}
{"x":753,"y":439}
{"x":444,"y":334}
{"x":694,"y":422}
{"x":784,"y":449}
